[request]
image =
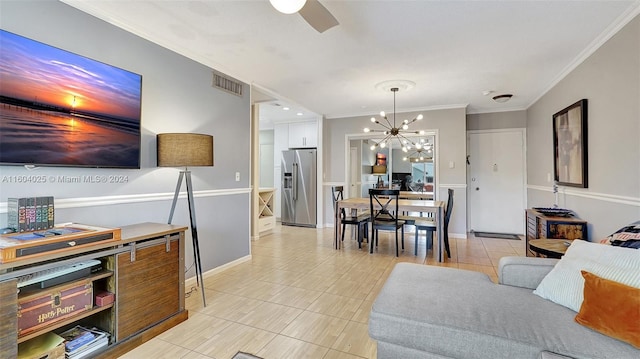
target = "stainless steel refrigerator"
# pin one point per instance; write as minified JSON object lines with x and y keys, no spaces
{"x":299,"y":187}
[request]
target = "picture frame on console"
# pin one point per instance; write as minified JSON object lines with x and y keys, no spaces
{"x":570,"y":145}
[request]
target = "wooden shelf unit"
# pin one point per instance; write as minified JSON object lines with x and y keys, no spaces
{"x":145,"y":272}
{"x":266,"y":209}
{"x":65,"y":322}
{"x":96,"y":309}
{"x":552,"y":227}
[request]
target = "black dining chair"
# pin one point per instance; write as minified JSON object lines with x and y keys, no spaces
{"x":385,"y":218}
{"x":361,"y":220}
{"x":429,"y":225}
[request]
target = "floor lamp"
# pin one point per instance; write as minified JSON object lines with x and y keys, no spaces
{"x":186,"y":150}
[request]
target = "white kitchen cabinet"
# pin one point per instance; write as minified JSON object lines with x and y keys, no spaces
{"x":303,"y":135}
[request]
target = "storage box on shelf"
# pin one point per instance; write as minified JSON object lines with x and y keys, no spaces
{"x":42,"y":308}
{"x":103,"y":298}
{"x":140,"y":309}
{"x":45,"y":346}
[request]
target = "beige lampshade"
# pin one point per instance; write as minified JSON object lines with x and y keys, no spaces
{"x":378,"y":169}
{"x":184,"y":150}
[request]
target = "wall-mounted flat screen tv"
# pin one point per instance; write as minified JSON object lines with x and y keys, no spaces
{"x":62,"y":109}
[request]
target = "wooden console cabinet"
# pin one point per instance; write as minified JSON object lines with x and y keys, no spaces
{"x":551,"y":227}
{"x":145,"y":271}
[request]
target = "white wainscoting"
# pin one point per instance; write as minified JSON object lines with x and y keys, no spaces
{"x":632,"y":201}
{"x":134,"y":198}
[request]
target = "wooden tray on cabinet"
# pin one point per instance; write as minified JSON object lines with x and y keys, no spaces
{"x":25,"y":245}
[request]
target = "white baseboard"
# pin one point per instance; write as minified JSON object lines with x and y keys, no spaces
{"x":192,"y":280}
{"x":458,"y":235}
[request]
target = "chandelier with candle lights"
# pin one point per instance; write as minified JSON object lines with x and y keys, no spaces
{"x":392,"y":131}
{"x":423,"y":152}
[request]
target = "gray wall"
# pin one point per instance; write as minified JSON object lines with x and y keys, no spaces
{"x":368,"y":156}
{"x":496,"y":120}
{"x":398,"y":164}
{"x":610,"y":80}
{"x":176,"y":97}
{"x":451,"y":127}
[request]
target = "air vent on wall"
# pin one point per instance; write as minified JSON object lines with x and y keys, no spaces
{"x":227,"y":84}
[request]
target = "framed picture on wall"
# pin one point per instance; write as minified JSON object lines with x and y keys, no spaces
{"x":570,"y":145}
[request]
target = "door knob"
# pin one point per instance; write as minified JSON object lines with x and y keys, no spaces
{"x":477,"y":188}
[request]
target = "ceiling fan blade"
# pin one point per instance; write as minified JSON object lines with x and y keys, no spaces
{"x":318,"y":16}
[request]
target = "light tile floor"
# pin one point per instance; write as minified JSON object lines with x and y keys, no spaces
{"x":300,"y":298}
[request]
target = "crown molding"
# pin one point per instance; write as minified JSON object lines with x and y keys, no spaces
{"x":403,"y":111}
{"x":607,"y":34}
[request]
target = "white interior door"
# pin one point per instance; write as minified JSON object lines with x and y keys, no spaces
{"x":354,"y":173}
{"x":266,"y":166}
{"x":496,"y":189}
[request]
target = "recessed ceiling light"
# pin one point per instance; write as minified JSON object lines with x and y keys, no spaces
{"x":286,"y":108}
{"x":299,"y":113}
{"x":486,"y":92}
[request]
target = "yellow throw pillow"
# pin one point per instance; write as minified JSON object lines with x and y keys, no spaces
{"x":611,"y":308}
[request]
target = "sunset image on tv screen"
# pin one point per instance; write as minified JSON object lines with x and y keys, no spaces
{"x":59,"y":108}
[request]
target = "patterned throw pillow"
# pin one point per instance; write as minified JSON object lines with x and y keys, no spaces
{"x":627,"y":236}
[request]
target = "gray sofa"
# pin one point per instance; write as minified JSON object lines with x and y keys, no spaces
{"x":438,"y":312}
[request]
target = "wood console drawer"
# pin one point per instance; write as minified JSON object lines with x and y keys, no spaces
{"x":148,"y":286}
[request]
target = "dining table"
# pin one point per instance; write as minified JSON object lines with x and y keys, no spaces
{"x":415,"y":195}
{"x":408,"y":205}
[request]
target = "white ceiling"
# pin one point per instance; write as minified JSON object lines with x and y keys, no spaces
{"x":452,"y":50}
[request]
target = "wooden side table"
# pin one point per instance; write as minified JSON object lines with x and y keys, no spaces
{"x":550,"y":248}
{"x":540,"y":226}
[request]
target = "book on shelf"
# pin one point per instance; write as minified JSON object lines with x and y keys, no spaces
{"x":12,"y":214}
{"x":86,"y":351}
{"x":42,"y":206}
{"x":82,"y":338}
{"x":81,"y":341}
{"x":17,"y":214}
{"x":50,"y":212}
{"x":30,"y":213}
